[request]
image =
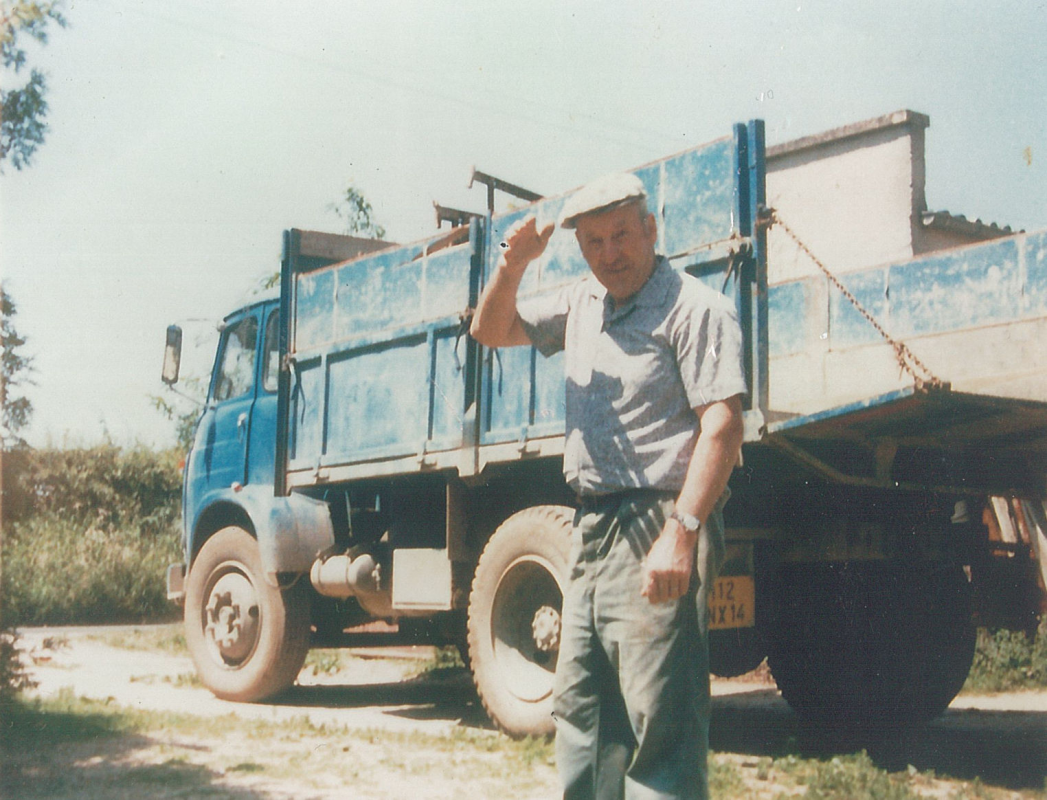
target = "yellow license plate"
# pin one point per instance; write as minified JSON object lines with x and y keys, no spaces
{"x":732,"y":602}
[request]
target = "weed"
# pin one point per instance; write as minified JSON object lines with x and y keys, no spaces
{"x":445,"y":660}
{"x":324,"y":661}
{"x":855,"y":777}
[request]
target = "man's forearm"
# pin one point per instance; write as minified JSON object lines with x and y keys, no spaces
{"x":496,"y":319}
{"x":667,"y":570}
{"x":496,"y":322}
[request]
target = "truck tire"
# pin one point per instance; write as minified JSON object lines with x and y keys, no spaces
{"x":247,"y":638}
{"x":514,"y":618}
{"x":870,"y":649}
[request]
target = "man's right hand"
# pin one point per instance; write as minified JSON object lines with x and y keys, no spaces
{"x":524,"y":243}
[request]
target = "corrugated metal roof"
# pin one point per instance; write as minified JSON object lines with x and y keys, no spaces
{"x":960,"y":225}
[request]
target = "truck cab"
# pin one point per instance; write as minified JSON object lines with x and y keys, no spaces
{"x":235,"y":439}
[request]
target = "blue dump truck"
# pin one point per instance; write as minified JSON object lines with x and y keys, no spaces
{"x":363,"y":472}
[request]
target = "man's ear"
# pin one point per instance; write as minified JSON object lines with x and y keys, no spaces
{"x":650,"y":226}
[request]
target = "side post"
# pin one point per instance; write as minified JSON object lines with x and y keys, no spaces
{"x":760,"y":386}
{"x":291,"y":248}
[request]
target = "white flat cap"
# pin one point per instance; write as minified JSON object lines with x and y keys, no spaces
{"x":601,"y":195}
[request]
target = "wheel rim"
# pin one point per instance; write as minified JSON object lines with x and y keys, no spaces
{"x":231,"y":618}
{"x":525,"y":627}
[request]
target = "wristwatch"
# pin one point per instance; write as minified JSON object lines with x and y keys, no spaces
{"x":690,"y":522}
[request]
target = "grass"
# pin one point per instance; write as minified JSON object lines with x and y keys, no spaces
{"x":59,"y":572}
{"x":73,"y":747}
{"x":65,"y":735}
{"x":168,"y":639}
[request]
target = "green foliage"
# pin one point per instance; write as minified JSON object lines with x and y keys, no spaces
{"x":58,"y":572}
{"x":14,"y":370}
{"x":13,"y":677}
{"x":855,"y":777}
{"x":90,"y":534}
{"x":22,"y":128}
{"x":357,"y":214}
{"x":1008,"y":660}
{"x":102,"y":488}
{"x":184,"y":420}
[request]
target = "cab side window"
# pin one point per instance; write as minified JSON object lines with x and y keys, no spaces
{"x":271,"y":353}
{"x":236,"y":372}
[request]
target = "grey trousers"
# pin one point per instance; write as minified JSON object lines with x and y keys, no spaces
{"x":632,"y":681}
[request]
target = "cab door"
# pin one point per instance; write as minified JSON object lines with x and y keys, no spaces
{"x":261,"y":451}
{"x":226,"y":426}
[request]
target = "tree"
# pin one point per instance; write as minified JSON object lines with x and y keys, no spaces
{"x":356,"y":211}
{"x":14,"y":369}
{"x":24,"y":107}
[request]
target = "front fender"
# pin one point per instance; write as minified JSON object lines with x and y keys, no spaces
{"x":291,"y":531}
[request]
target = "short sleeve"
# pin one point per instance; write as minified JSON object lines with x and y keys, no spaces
{"x":710,"y":354}
{"x":544,"y":319}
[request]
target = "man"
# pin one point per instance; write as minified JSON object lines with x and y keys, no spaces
{"x":653,"y":430}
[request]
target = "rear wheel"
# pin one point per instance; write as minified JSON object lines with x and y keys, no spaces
{"x":873,"y":647}
{"x":248,"y":638}
{"x":514,"y":618}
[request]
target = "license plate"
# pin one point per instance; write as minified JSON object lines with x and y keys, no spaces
{"x":732,"y":602}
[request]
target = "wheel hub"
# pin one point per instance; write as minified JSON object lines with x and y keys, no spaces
{"x":546,"y":629}
{"x":232,"y":617}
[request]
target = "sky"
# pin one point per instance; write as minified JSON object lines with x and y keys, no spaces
{"x":186,"y":136}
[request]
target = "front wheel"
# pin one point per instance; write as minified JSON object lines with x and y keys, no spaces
{"x":248,"y":638}
{"x":514,"y":618}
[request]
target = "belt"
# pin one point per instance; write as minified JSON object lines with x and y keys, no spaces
{"x":596,"y":502}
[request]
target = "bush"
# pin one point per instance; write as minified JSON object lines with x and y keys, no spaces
{"x":103,"y":486}
{"x":13,"y":676}
{"x":57,"y":572}
{"x":90,"y":534}
{"x":1008,"y":660}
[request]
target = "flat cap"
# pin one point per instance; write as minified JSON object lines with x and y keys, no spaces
{"x":601,"y":195}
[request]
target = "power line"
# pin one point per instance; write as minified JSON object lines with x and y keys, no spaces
{"x":595,"y":128}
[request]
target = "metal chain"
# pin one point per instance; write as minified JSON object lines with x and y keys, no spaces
{"x":907,"y":360}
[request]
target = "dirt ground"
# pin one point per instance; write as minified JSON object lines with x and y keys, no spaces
{"x":1000,"y":740}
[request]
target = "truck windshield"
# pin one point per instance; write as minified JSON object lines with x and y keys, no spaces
{"x":236,"y":372}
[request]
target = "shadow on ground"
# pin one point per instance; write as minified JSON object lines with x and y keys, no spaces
{"x":1002,"y":748}
{"x":85,"y":756}
{"x":445,"y":694}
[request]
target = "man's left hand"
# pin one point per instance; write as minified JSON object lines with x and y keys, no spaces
{"x":667,"y":569}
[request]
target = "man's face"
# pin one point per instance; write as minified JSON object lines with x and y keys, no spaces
{"x":618,"y":246}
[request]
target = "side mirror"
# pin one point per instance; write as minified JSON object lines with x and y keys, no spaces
{"x":172,"y":355}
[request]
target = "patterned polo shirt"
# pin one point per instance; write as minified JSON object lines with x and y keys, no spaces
{"x":635,"y":373}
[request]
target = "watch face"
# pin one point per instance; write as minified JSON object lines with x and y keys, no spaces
{"x":689,"y":522}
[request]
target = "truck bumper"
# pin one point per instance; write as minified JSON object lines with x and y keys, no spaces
{"x":176,"y":583}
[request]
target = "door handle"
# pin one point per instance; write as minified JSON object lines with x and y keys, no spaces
{"x":241,"y":424}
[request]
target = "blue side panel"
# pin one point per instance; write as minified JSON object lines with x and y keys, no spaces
{"x":787,"y":311}
{"x":1035,"y":258}
{"x":307,"y":407}
{"x":846,"y":325}
{"x":448,"y":390}
{"x":996,"y":282}
{"x":507,"y":387}
{"x":380,"y":370}
{"x":446,"y":279}
{"x":376,"y":293}
{"x":698,"y":197}
{"x":381,"y":399}
{"x":976,"y":286}
{"x":314,"y":313}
